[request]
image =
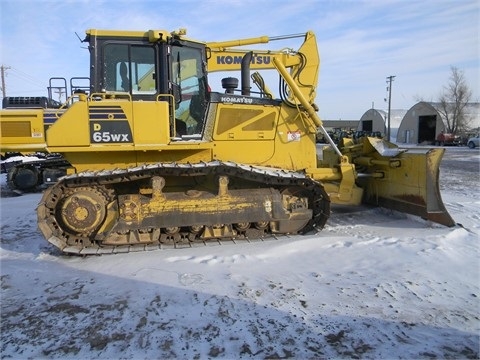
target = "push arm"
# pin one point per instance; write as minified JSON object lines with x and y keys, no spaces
{"x":303,"y":64}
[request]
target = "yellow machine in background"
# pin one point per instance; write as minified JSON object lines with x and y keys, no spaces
{"x":24,"y":121}
{"x":157,"y":158}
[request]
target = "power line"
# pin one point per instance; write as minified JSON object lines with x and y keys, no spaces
{"x":26,"y":77}
{"x":12,"y":71}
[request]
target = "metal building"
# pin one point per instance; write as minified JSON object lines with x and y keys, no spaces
{"x":421,"y":124}
{"x":346,"y":125}
{"x":374,"y":120}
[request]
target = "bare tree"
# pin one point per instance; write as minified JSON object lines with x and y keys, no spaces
{"x":453,"y":102}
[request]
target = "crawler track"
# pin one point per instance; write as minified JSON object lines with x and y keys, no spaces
{"x":29,"y":176}
{"x":104,"y":212}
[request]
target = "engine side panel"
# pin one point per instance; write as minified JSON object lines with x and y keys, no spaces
{"x":22,"y":130}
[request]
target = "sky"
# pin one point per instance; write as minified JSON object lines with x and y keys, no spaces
{"x":361,"y":43}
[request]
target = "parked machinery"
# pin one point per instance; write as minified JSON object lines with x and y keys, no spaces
{"x":157,"y":158}
{"x":24,"y":121}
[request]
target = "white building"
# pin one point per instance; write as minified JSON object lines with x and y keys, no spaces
{"x":375,"y":120}
{"x":423,"y":123}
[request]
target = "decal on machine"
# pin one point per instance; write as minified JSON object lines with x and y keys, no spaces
{"x":110,"y":132}
{"x":236,"y":100}
{"x":294,"y":135}
{"x":109,"y":124}
{"x":256,"y":59}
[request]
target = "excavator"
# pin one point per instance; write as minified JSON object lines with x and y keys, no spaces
{"x":159,"y":160}
{"x":24,"y":121}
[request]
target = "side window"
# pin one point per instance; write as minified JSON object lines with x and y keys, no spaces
{"x":129,"y":68}
{"x":116,"y":61}
{"x":187,"y":74}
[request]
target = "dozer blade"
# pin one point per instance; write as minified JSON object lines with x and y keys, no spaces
{"x":406,"y":181}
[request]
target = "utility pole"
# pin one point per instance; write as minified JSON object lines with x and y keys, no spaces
{"x":389,"y":82}
{"x":3,"y":68}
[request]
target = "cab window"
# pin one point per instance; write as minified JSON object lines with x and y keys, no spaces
{"x":187,"y":75}
{"x":129,"y":68}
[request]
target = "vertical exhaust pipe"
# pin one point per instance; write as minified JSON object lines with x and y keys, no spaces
{"x":247,"y":58}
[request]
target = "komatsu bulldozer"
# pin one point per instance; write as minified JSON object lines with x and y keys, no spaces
{"x":158,"y":159}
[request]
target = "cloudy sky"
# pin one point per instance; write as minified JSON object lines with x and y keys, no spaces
{"x":361,"y":43}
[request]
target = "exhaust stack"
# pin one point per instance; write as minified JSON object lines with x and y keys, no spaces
{"x":247,"y":58}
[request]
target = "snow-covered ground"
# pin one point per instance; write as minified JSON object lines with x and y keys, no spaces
{"x":373,"y":284}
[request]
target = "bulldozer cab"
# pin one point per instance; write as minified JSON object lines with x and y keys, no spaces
{"x":142,"y":68}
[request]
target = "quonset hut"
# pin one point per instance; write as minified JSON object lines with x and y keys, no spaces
{"x":424,"y":122}
{"x":421,"y":124}
{"x":374,"y":120}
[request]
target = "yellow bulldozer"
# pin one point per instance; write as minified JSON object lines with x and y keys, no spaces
{"x":157,"y":159}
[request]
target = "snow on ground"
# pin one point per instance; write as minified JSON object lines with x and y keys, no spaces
{"x":373,"y":284}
